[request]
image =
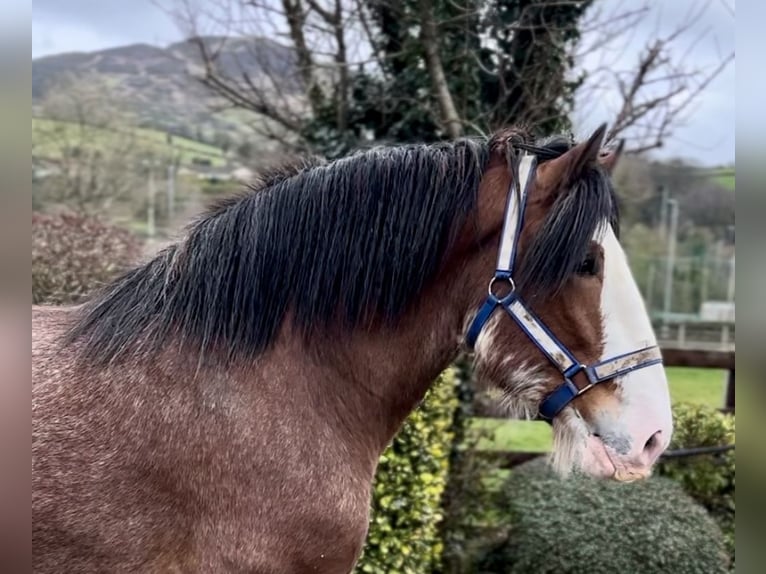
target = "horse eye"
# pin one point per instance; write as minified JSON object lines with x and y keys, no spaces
{"x":589,"y":266}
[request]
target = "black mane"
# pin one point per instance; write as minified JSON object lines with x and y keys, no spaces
{"x":346,"y":241}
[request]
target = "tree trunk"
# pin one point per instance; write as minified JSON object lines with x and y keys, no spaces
{"x":443,"y":96}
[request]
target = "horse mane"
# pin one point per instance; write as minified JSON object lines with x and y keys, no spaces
{"x":341,"y":243}
{"x":327,"y":243}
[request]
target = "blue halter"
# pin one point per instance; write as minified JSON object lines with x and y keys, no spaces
{"x":556,"y":352}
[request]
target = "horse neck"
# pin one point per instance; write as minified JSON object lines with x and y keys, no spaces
{"x":358,"y":386}
{"x":363,"y":384}
{"x":394,"y":369}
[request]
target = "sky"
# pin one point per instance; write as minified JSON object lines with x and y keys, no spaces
{"x":707,"y":136}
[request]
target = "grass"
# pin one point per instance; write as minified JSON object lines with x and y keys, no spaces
{"x":724,"y":177}
{"x":726,"y":180}
{"x":699,"y":386}
{"x":47,"y":133}
{"x":521,"y":436}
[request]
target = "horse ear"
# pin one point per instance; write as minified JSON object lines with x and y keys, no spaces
{"x":608,"y":158}
{"x":571,"y":164}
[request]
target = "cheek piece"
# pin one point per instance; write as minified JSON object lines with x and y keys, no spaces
{"x":556,"y":352}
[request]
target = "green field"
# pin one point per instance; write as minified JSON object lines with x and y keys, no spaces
{"x":700,"y":386}
{"x":47,"y":135}
{"x":725,"y":177}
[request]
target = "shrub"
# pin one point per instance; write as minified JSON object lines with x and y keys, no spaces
{"x":411,"y":477}
{"x":708,"y":479}
{"x":468,"y":503}
{"x":73,"y":254}
{"x":586,"y":526}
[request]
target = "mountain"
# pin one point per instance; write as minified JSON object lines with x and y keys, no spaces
{"x":159,"y":86}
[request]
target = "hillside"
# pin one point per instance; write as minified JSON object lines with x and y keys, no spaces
{"x":47,"y":134}
{"x":158,"y":85}
{"x":725,"y":177}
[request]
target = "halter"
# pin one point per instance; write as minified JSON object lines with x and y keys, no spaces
{"x":556,"y":352}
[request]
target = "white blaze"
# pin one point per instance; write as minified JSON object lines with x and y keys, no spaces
{"x":645,"y":400}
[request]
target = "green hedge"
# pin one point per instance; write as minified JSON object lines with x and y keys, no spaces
{"x":74,"y":254}
{"x":469,"y":505}
{"x":406,"y":511}
{"x":587,"y":526}
{"x":708,"y":479}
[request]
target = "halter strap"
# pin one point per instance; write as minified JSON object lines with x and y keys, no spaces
{"x":514,"y":216}
{"x":556,"y":352}
{"x":598,"y":373}
{"x":509,"y":241}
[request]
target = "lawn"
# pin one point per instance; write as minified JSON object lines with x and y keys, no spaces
{"x":727,"y":180}
{"x":725,"y":177}
{"x":701,"y":386}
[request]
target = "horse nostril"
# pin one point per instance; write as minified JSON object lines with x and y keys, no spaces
{"x":653,"y":446}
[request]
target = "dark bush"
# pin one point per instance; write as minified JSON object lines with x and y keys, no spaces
{"x":411,"y":477}
{"x":708,"y":479}
{"x":585,"y":526}
{"x":74,"y":254}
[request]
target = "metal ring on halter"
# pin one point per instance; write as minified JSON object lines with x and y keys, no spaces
{"x":511,"y":284}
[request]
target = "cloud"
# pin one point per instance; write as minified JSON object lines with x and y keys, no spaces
{"x":87,"y":25}
{"x":706,"y":135}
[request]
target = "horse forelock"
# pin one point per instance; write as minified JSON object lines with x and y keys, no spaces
{"x":564,"y":235}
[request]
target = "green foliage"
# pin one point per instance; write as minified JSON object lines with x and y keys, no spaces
{"x":709,"y":479}
{"x":506,"y":62}
{"x":582,"y":525}
{"x":74,"y":254}
{"x":411,"y":477}
{"x":467,"y":500}
{"x":643,"y":241}
{"x":529,"y":61}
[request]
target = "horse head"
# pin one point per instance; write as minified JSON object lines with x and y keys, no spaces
{"x":563,"y":332}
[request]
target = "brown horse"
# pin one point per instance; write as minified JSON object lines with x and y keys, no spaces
{"x":222,"y":408}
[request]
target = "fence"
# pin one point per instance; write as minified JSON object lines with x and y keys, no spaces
{"x":695,"y":334}
{"x":693,"y":281}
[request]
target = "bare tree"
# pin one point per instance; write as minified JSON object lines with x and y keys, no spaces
{"x":322,"y":36}
{"x":330,"y":37}
{"x":653,"y":94}
{"x":429,"y":36}
{"x":650,"y":97}
{"x":92,"y":146}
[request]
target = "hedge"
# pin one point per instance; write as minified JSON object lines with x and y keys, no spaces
{"x":404,"y":532}
{"x":74,"y":254}
{"x":469,"y":504}
{"x":708,"y":479}
{"x":587,"y":526}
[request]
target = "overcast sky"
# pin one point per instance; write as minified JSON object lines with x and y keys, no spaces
{"x":707,"y":137}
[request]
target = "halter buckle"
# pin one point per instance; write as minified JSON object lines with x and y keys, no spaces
{"x":572,"y":371}
{"x":495,"y":280}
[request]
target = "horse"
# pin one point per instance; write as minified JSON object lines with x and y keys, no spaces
{"x":222,"y":407}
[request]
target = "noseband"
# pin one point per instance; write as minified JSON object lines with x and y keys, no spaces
{"x":578,"y":378}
